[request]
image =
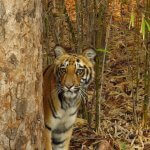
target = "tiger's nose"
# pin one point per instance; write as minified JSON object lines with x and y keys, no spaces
{"x":69,"y":86}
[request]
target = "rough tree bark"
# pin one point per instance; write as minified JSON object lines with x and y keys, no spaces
{"x":21,"y":119}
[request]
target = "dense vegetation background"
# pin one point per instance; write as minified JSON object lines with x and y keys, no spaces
{"x":116,"y":114}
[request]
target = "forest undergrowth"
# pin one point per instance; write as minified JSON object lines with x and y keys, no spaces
{"x":119,"y":130}
{"x":121,"y":125}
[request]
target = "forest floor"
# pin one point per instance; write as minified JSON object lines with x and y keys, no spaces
{"x":121,"y":129}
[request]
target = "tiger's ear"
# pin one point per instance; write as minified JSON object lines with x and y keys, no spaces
{"x":90,"y":54}
{"x":59,"y":51}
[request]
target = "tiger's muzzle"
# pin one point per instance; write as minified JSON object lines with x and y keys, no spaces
{"x":70,"y":92}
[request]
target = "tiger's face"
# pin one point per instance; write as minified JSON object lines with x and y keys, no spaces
{"x":74,"y":72}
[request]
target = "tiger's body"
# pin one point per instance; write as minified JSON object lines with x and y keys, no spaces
{"x":65,"y":83}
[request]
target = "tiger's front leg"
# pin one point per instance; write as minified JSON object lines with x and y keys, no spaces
{"x":61,"y":141}
{"x":47,"y":139}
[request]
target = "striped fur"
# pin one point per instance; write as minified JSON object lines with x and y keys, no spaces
{"x":65,"y":83}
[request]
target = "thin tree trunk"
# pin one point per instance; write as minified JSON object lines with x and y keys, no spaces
{"x":21,"y":119}
{"x":146,"y":102}
{"x":99,"y":44}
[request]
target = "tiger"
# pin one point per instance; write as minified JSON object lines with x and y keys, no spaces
{"x":65,"y":83}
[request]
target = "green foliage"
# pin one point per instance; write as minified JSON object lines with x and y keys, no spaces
{"x":102,"y":50}
{"x":123,"y":146}
{"x":132,"y":20}
{"x":145,"y":26}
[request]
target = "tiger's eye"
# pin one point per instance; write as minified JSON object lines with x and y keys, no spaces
{"x":62,"y":70}
{"x":80,"y":71}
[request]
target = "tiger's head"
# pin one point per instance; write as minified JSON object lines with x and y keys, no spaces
{"x":73,"y":72}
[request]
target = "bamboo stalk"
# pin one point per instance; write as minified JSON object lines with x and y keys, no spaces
{"x":98,"y":68}
{"x":147,"y":70}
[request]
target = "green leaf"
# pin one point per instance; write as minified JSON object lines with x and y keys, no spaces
{"x":148,"y":26}
{"x":102,"y":50}
{"x":132,"y":20}
{"x":143,"y":27}
{"x":123,"y":146}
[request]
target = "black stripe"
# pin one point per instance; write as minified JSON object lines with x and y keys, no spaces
{"x":85,"y":74}
{"x":78,"y":60}
{"x":57,"y":142}
{"x":60,"y":99}
{"x":49,"y":128}
{"x":62,"y":130}
{"x":63,"y":102}
{"x":90,"y":75}
{"x":53,"y":106}
{"x":81,"y":66}
{"x":58,"y":73}
{"x":74,"y":113}
{"x":69,"y":104}
{"x":53,"y":111}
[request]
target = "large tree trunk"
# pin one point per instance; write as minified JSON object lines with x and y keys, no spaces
{"x":21,"y":119}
